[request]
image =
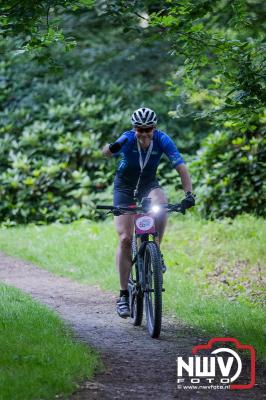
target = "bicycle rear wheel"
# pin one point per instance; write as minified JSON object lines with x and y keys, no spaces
{"x":135,"y":293}
{"x":153,"y":293}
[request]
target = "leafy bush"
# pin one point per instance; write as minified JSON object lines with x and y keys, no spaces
{"x":52,"y":128}
{"x":51,"y":163}
{"x":58,"y":108}
{"x":230,"y":174}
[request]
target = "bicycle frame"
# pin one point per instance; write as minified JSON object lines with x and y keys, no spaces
{"x":144,"y":226}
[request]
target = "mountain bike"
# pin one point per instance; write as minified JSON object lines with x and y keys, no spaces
{"x":145,"y":284}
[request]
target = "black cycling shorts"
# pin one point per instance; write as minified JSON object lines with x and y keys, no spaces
{"x":124,"y":194}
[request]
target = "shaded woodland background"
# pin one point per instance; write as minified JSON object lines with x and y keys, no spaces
{"x":71,"y":73}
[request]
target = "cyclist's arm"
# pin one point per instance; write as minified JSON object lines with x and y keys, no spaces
{"x":106,"y":150}
{"x":177,"y":161}
{"x":185,"y":177}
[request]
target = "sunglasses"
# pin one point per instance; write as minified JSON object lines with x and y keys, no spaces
{"x":146,"y":130}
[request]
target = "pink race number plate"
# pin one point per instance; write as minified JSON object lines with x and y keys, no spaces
{"x":144,"y":224}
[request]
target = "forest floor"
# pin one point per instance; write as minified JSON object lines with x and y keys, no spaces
{"x":136,"y":366}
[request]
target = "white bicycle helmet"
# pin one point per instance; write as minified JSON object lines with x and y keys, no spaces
{"x":144,"y":117}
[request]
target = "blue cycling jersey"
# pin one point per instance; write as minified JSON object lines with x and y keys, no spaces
{"x":128,"y":168}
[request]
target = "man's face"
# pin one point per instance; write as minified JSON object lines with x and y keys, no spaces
{"x":144,"y":133}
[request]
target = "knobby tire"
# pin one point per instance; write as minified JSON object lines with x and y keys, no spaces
{"x":153,"y":300}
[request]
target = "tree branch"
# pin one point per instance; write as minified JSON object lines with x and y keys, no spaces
{"x":141,"y":16}
{"x":47,"y":17}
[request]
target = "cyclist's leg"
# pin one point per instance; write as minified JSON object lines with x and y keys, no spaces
{"x":124,"y":227}
{"x":158,"y":197}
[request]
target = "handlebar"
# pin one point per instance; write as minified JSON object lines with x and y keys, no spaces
{"x":140,"y":209}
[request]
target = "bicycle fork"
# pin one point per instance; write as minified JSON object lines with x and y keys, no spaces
{"x":142,"y":241}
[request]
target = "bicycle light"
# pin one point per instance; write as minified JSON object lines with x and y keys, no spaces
{"x":155,"y":209}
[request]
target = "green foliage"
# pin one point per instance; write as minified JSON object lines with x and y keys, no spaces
{"x":55,"y":116}
{"x":53,"y":127}
{"x":221,"y":48}
{"x":51,"y":163}
{"x":199,"y":64}
{"x":217,"y":47}
{"x":36,"y":23}
{"x":230,"y":174}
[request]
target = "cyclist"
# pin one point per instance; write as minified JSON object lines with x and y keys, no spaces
{"x":141,"y":149}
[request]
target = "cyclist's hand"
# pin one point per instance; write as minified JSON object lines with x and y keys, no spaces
{"x":188,"y":201}
{"x":117,"y":213}
{"x":116,"y":146}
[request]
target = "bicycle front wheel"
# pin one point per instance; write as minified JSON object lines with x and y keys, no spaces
{"x":153,"y":289}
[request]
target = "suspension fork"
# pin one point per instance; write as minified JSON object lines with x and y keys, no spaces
{"x":142,"y":240}
{"x":156,"y":239}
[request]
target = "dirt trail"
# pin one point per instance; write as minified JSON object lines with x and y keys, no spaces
{"x":137,"y":367}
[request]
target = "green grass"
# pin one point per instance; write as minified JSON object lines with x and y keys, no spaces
{"x":39,"y":358}
{"x":215,"y":276}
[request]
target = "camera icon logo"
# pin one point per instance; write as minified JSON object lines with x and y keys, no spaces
{"x":218,"y":367}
